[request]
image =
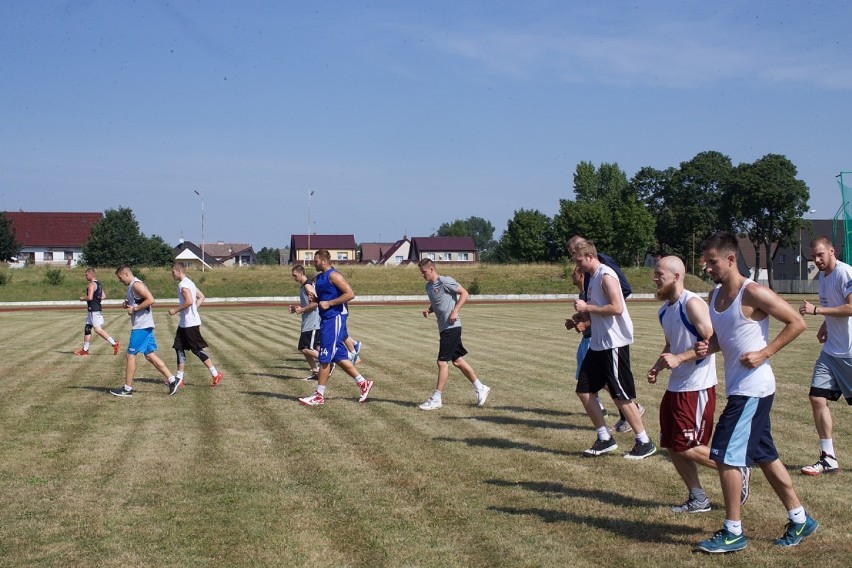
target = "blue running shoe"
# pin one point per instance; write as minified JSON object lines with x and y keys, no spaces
{"x":795,"y":532}
{"x":723,"y":541}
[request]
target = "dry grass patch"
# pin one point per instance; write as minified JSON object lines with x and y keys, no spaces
{"x":242,"y":475}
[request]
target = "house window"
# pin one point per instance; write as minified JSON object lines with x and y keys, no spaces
{"x":69,"y":255}
{"x":342,"y":255}
{"x":308,"y":256}
{"x":783,"y":259}
{"x":463,"y":256}
{"x":47,"y":255}
{"x":441,"y":257}
{"x":430,"y":255}
{"x":398,"y":258}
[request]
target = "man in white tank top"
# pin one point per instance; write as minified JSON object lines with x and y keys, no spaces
{"x":607,"y":363}
{"x":740,"y":311}
{"x":832,"y":376}
{"x":138,"y":305}
{"x":689,"y":403}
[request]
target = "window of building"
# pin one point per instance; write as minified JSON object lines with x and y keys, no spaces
{"x":463,"y":256}
{"x":398,"y":258}
{"x":342,"y":255}
{"x":69,"y":255}
{"x":308,"y":256}
{"x":430,"y":255}
{"x":47,"y":255}
{"x":782,"y":258}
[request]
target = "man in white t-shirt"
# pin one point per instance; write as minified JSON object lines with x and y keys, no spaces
{"x":832,"y":376}
{"x":188,"y":334}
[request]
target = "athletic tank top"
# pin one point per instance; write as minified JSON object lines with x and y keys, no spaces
{"x":738,"y":334}
{"x":682,"y":335}
{"x":327,"y":291}
{"x":607,"y":331}
{"x":94,"y":305}
{"x":143,"y":319}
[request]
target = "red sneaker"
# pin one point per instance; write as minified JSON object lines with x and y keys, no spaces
{"x":115,"y":347}
{"x":365,"y":390}
{"x":217,"y":378}
{"x":315,"y":399}
{"x":81,"y":352}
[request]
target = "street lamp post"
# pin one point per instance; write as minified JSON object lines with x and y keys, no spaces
{"x":310,"y":195}
{"x":201,"y":195}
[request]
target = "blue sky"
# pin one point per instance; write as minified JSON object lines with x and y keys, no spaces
{"x":400,"y":115}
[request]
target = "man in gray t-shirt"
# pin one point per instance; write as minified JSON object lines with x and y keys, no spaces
{"x":309,"y":338}
{"x":446,"y":297}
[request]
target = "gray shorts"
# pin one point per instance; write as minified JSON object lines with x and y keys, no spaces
{"x":832,"y":377}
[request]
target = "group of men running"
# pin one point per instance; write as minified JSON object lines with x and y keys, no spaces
{"x":734,"y":321}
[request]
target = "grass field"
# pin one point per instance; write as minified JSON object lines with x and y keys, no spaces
{"x":242,"y":475}
{"x":31,"y":284}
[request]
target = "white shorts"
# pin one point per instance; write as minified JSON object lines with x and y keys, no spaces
{"x":95,"y":319}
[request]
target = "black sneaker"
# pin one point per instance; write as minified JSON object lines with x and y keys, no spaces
{"x":173,"y":386}
{"x":601,"y":447}
{"x":121,"y":391}
{"x":641,"y":451}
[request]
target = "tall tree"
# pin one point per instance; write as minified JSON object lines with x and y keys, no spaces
{"x":685,"y":201}
{"x":765,"y":202}
{"x":477,"y":228}
{"x":528,"y":238}
{"x":9,"y":245}
{"x":607,"y":210}
{"x":268,"y":255}
{"x":116,"y":239}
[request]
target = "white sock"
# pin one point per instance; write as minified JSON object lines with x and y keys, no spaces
{"x":86,"y":345}
{"x":603,"y":434}
{"x":179,"y":374}
{"x":643,"y":437}
{"x":436,"y":395}
{"x":797,"y":515}
{"x":213,"y":371}
{"x":477,"y":385}
{"x":321,"y":389}
{"x":359,"y":379}
{"x":127,"y":388}
{"x":111,"y":341}
{"x":734,"y":527}
{"x":172,"y":379}
{"x":827,"y":446}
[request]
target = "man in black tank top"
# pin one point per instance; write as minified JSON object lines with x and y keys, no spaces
{"x":94,"y":320}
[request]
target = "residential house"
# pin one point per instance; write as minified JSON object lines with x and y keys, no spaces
{"x":190,"y":255}
{"x":52,"y":238}
{"x":795,"y":262}
{"x":341,"y":247}
{"x":398,"y":253}
{"x":371,"y":253}
{"x":231,"y":254}
{"x":443,"y":249}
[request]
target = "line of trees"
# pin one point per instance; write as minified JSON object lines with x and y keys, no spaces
{"x":657,"y":211}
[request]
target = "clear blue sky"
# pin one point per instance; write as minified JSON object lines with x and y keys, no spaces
{"x":400,"y":115}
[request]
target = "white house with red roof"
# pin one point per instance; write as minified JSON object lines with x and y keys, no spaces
{"x":51,"y":238}
{"x":341,"y":247}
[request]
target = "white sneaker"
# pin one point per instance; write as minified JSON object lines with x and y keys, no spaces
{"x":431,"y":404}
{"x":825,"y":464}
{"x":482,"y":395}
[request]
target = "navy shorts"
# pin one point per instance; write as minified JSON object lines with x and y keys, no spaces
{"x":743,"y":433}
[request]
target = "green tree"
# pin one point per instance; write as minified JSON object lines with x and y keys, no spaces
{"x":764,"y":202}
{"x":116,"y":239}
{"x":685,"y":202}
{"x":268,"y":255}
{"x":607,"y":210}
{"x":9,"y":245}
{"x":477,"y":228}
{"x":528,"y":238}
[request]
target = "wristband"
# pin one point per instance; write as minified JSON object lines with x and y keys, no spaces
{"x":815,"y":310}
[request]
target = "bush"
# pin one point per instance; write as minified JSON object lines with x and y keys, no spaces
{"x":474,"y":287}
{"x":5,"y":277}
{"x":53,"y":277}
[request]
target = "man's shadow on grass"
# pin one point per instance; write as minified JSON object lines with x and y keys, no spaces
{"x":542,"y":411}
{"x":559,"y":490}
{"x":511,"y":421}
{"x":278,"y":395}
{"x":504,"y":444}
{"x":642,"y":531}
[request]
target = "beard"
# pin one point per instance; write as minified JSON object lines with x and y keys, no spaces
{"x":666,"y":291}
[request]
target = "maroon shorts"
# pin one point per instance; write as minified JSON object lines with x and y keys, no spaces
{"x":686,"y":419}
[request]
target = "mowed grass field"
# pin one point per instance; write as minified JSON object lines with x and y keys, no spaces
{"x":242,"y":475}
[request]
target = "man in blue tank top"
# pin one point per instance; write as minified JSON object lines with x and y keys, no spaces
{"x":331,"y":292}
